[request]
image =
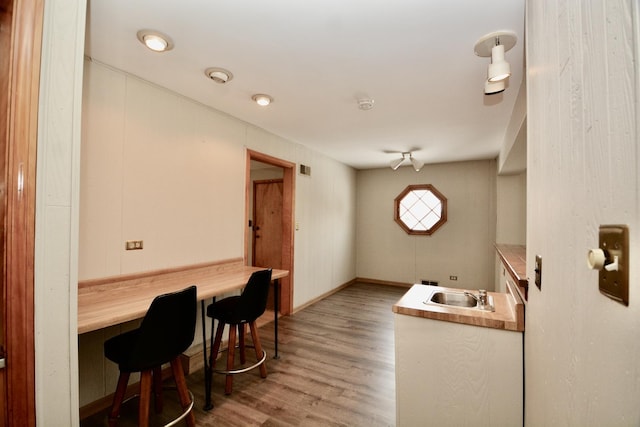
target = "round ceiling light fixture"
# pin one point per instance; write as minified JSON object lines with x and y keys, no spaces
{"x":155,"y":40}
{"x":218,"y":75}
{"x":262,"y":99}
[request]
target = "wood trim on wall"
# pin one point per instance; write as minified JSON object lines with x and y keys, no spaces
{"x":22,"y":127}
{"x":288,"y":205}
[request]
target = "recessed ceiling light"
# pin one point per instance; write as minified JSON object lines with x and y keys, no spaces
{"x":262,"y":99}
{"x":155,"y":41}
{"x":218,"y":75}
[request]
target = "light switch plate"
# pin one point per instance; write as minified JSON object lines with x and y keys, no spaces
{"x":614,"y":241}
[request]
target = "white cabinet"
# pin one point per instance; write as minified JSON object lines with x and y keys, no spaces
{"x":454,"y":374}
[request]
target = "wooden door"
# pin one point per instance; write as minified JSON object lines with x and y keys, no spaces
{"x":267,"y":223}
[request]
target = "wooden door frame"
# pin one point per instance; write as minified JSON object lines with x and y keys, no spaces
{"x":288,"y":199}
{"x":20,"y":136}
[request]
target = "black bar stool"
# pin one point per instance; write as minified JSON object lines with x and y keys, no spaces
{"x":237,"y":312}
{"x":167,"y":330}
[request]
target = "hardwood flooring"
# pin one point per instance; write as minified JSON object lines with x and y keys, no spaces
{"x":336,"y":368}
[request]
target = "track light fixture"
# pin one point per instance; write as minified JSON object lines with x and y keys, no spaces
{"x":499,"y":68}
{"x":417,"y":164}
{"x":494,"y":45}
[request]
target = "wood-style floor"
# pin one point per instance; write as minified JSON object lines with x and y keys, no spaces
{"x":336,"y":368}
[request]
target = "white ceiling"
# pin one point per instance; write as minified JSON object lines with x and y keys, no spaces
{"x":414,"y":58}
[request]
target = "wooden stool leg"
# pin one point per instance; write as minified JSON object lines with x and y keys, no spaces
{"x":157,"y":388}
{"x":241,"y":333}
{"x":228,"y":385}
{"x":258,"y":346}
{"x":145,"y":398}
{"x":183,"y":393}
{"x":118,"y":397}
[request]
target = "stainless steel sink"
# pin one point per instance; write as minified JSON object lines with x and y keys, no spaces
{"x":457,"y":299}
{"x":460,"y":299}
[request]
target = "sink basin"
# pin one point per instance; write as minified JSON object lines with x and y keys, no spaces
{"x":457,"y":299}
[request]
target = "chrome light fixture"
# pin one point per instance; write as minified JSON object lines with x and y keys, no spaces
{"x":155,"y":40}
{"x":417,"y":164}
{"x":262,"y":99}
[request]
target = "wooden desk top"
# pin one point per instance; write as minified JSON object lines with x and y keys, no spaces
{"x":111,"y":301}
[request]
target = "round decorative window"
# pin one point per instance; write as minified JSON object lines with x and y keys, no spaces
{"x":420,"y":209}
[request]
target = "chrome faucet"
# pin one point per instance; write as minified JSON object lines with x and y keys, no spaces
{"x":481,"y":298}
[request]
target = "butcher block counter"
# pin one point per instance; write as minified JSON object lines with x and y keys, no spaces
{"x":508,"y":314}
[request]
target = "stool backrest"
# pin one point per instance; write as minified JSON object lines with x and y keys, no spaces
{"x":253,"y":300}
{"x":167,"y":329}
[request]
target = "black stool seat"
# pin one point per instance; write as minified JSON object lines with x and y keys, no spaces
{"x":166,"y":331}
{"x":237,"y":312}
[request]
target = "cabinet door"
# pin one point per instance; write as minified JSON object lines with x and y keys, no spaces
{"x":455,"y":374}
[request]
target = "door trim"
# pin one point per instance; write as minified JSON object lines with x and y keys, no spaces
{"x":288,"y":199}
{"x":19,"y":238}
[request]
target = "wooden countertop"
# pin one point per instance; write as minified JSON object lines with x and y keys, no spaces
{"x":110,"y":301}
{"x":509,"y":313}
{"x":514,"y":258}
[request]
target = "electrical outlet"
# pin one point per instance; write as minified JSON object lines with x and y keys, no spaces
{"x":453,"y":277}
{"x":132,"y":245}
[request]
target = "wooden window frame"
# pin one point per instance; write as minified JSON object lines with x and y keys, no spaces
{"x":434,"y":227}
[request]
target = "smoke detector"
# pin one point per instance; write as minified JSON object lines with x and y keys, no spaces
{"x":365,"y":104}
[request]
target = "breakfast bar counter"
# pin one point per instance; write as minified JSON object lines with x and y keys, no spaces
{"x":111,"y":301}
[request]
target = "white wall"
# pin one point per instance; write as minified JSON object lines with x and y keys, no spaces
{"x":511,"y":211}
{"x":160,"y":168}
{"x":326,"y":215}
{"x":582,"y":350}
{"x":462,"y":247}
{"x":56,"y":250}
{"x":164,"y":169}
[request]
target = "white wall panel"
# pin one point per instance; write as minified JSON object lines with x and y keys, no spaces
{"x":101,"y":173}
{"x":386,"y":252}
{"x":56,"y":214}
{"x":511,"y":209}
{"x":581,"y":348}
